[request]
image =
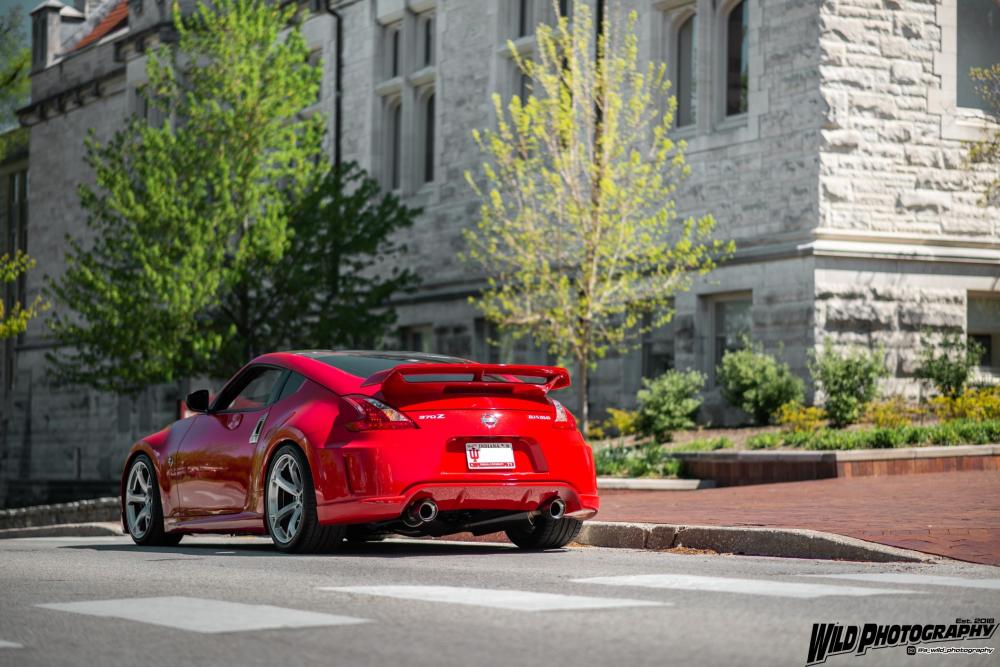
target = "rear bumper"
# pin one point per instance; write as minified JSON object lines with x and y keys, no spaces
{"x":514,"y":497}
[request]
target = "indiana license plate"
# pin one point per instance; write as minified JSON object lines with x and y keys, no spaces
{"x":489,"y":455}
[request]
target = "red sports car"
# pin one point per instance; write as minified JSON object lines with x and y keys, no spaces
{"x":317,"y":447}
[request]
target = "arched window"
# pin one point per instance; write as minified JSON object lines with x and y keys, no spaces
{"x":736,"y":60}
{"x":686,"y":58}
{"x":429,"y":138}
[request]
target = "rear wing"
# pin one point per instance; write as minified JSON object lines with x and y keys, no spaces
{"x":469,"y":378}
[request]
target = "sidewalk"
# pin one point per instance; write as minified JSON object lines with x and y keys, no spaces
{"x":947,"y":514}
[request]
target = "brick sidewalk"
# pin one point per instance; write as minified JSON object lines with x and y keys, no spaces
{"x":948,"y":514}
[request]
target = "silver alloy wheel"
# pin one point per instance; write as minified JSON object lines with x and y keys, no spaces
{"x":284,"y":499}
{"x":139,"y":500}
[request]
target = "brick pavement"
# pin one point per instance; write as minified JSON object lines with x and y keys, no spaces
{"x":954,"y":514}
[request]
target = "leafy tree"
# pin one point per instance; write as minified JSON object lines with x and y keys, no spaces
{"x":757,"y":383}
{"x":988,"y":149}
{"x":15,"y":62}
{"x":948,"y":363}
{"x":850,"y":381}
{"x":579,"y":235}
{"x":322,"y":293}
{"x":16,"y":321}
{"x":183,"y":209}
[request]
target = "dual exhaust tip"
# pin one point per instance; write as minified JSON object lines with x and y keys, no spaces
{"x":426,"y":511}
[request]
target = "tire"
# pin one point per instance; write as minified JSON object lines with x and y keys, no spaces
{"x":359,"y":535}
{"x":143,"y":509}
{"x":545,"y":533}
{"x":289,"y":484}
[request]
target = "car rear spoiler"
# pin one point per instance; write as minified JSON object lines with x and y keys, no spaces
{"x":394,"y":382}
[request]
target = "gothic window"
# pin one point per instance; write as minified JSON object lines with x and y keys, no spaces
{"x":736,"y":60}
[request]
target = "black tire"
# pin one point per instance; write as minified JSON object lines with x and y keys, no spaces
{"x":311,"y":536}
{"x":154,"y":534}
{"x":358,"y":534}
{"x":545,"y":533}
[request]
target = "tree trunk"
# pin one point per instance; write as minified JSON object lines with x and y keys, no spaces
{"x":584,"y":375}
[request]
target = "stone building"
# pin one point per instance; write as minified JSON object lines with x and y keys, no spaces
{"x":825,"y":137}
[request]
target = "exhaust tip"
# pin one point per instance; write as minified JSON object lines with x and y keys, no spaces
{"x":557,"y":508}
{"x":427,"y":511}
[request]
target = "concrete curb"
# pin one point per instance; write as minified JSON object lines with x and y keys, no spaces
{"x":653,"y":484}
{"x":748,"y":541}
{"x":96,"y":529}
{"x":79,"y":512}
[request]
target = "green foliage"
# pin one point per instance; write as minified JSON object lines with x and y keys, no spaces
{"x":619,"y":422}
{"x":794,"y":416}
{"x":764,"y":441}
{"x":849,"y":381}
{"x":703,"y":445}
{"x":957,"y":432}
{"x":948,"y":362}
{"x":645,"y":461}
{"x":16,"y":321}
{"x":987,"y":149}
{"x":757,"y":383}
{"x":322,"y":293}
{"x":579,"y":235}
{"x":15,"y":63}
{"x":669,"y":403}
{"x":182,"y":212}
{"x":892,"y":413}
{"x":974,"y":404}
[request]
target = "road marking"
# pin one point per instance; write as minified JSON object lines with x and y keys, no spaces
{"x":687,"y":582}
{"x":200,"y":615}
{"x":904,"y":578}
{"x":4,"y":644}
{"x":498,"y":599}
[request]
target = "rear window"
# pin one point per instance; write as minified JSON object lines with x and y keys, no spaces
{"x":364,"y":366}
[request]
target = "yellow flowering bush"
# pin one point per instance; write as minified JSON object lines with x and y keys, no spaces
{"x":793,"y":416}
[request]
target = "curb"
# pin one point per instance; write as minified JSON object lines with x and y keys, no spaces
{"x":63,"y":530}
{"x":652,"y":484}
{"x":748,"y":541}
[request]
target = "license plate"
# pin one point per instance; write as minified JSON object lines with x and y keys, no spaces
{"x":489,"y":455}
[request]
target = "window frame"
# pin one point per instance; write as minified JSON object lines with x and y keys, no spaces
{"x":726,"y":12}
{"x":993,"y":368}
{"x":233,"y":388}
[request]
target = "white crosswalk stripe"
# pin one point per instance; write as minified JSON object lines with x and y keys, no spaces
{"x":203,"y":615}
{"x":915,"y":579}
{"x":498,"y":599}
{"x":687,"y":582}
{"x":6,"y":644}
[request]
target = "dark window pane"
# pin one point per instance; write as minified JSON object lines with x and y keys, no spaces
{"x":732,"y":325}
{"x":736,"y":60}
{"x":252,"y":391}
{"x":395,"y":52}
{"x":429,"y":41}
{"x":978,"y":46}
{"x":396,"y":150}
{"x":429,"y":139}
{"x":292,"y":385}
{"x":523,"y":18}
{"x":686,"y":71}
{"x":986,"y":341}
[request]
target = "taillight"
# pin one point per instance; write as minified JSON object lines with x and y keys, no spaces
{"x":374,"y":415}
{"x":563,"y":418}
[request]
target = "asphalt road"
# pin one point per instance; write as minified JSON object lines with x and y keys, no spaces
{"x":220,"y":601}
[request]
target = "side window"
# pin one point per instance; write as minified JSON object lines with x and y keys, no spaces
{"x":292,"y":385}
{"x":253,"y":390}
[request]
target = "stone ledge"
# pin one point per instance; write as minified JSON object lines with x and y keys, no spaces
{"x":844,"y":455}
{"x":653,"y":484}
{"x":79,"y":512}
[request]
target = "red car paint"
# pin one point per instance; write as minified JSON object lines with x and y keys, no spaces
{"x":211,"y":472}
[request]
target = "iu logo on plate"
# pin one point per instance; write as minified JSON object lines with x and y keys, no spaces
{"x":474,"y":453}
{"x":489,"y":421}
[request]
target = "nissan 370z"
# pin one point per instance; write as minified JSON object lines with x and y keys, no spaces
{"x":318,"y":447}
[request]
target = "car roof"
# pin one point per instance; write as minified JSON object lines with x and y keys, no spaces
{"x":425,"y":357}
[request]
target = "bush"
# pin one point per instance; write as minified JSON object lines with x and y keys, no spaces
{"x":957,"y":432}
{"x":974,"y":404}
{"x":703,"y":445}
{"x":764,"y":441}
{"x":757,"y":383}
{"x":894,"y":412}
{"x":849,"y":381}
{"x":646,"y":461}
{"x":797,"y":417}
{"x":669,"y":403}
{"x":618,"y":423}
{"x":949,"y":363}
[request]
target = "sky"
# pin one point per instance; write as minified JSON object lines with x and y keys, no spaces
{"x":26,"y":7}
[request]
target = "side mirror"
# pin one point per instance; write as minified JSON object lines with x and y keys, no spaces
{"x":197,"y":401}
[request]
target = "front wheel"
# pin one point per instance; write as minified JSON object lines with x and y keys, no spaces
{"x":290,"y":506}
{"x":545,"y":533}
{"x":143,"y":510}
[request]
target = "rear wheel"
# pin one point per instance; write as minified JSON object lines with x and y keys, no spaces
{"x":545,"y":533}
{"x":143,"y":510}
{"x":290,"y":506}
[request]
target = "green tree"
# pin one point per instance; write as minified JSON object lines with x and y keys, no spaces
{"x":323,"y":292}
{"x":16,"y":320}
{"x":15,"y":62}
{"x":949,"y":362}
{"x":183,"y":209}
{"x":987,"y":149}
{"x":579,"y":236}
{"x":849,"y":381}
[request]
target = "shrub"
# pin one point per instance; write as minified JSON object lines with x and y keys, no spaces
{"x":646,"y":461}
{"x":974,"y":404}
{"x":794,"y":416}
{"x":703,"y":445}
{"x":622,"y":421}
{"x":949,"y":363}
{"x":894,"y":412}
{"x":669,"y":403}
{"x":764,"y":441}
{"x":849,"y":381}
{"x":757,"y":383}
